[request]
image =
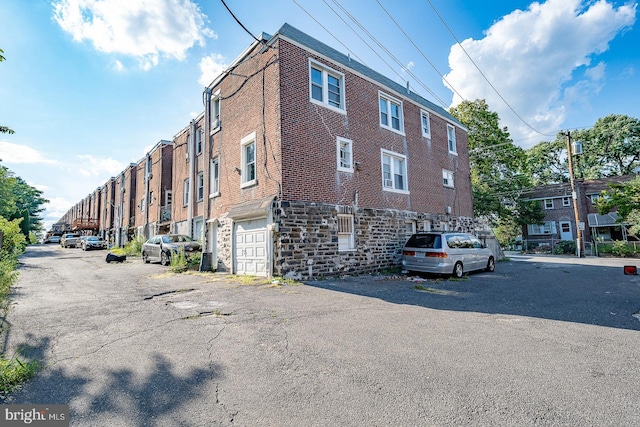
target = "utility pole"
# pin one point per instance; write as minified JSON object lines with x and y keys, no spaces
{"x":574,"y":194}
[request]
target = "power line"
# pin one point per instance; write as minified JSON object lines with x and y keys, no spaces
{"x":240,"y":23}
{"x":481,"y":73}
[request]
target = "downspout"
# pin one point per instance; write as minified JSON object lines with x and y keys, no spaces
{"x":190,"y":147}
{"x":205,"y":260}
{"x":147,"y":177}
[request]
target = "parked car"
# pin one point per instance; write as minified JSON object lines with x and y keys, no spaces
{"x":92,"y":242}
{"x":163,"y":246}
{"x":52,"y":239}
{"x":446,"y":253}
{"x":69,"y":240}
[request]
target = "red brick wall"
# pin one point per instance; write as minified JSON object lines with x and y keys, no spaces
{"x":309,"y":136}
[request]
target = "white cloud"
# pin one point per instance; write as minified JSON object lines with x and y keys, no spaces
{"x":211,"y":67}
{"x":532,"y":58}
{"x":144,"y":29}
{"x":15,"y":153}
{"x":89,"y":166}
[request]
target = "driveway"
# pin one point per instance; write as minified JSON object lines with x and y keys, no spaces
{"x":535,"y":343}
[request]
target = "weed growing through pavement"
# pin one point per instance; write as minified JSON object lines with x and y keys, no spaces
{"x":14,"y":372}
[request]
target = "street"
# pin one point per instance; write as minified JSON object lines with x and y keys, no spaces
{"x":537,"y":342}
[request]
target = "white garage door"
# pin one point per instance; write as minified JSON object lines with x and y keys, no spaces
{"x":250,"y":240}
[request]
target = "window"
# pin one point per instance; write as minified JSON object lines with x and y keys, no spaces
{"x":198,"y":140}
{"x":168,"y":197}
{"x":409,"y":228}
{"x":248,"y":155}
{"x":151,"y":198}
{"x":451,"y":137}
{"x":425,"y":124}
{"x":200,"y":186}
{"x":346,"y":233}
{"x":548,"y":227}
{"x":447,"y":178}
{"x":143,"y":203}
{"x":394,"y":172}
{"x":566,"y":201}
{"x":214,"y":113}
{"x":186,"y":195}
{"x":595,"y":198}
{"x":345,"y":154}
{"x":548,"y":203}
{"x":215,"y":177}
{"x":326,"y":86}
{"x":391,"y":113}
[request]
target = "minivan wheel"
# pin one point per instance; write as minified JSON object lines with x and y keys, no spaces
{"x":145,"y":258}
{"x":458,"y":271}
{"x":491,"y":264}
{"x":164,"y":259}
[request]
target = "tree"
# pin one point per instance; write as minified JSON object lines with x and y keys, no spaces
{"x":498,"y":170}
{"x":625,"y":197}
{"x":4,"y":129}
{"x":19,"y":200}
{"x":546,"y":162}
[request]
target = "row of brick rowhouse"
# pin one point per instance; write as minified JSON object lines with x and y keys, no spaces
{"x":304,"y":163}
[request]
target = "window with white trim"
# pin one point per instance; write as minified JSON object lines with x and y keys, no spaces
{"x":151,"y":198}
{"x":248,"y":156}
{"x":390,"y":113}
{"x":214,"y":113}
{"x":594,"y":199}
{"x":198,"y":140}
{"x":548,"y":227}
{"x":143,"y":204}
{"x":447,"y":178}
{"x":215,"y":177}
{"x":566,"y":201}
{"x":200,"y":186}
{"x":394,"y":171}
{"x":548,"y":203}
{"x":185,"y":193}
{"x":425,"y":124}
{"x":451,"y":139}
{"x":345,"y":154}
{"x":346,"y":233}
{"x":326,"y":86}
{"x":409,"y":228}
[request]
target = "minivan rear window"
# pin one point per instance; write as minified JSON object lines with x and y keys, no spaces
{"x":425,"y":241}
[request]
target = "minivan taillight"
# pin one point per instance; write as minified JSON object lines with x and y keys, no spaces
{"x":436,"y":254}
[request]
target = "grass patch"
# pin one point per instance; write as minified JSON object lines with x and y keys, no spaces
{"x":430,"y":290}
{"x":461,"y":279}
{"x":14,"y":372}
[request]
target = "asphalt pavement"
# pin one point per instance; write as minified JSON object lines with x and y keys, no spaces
{"x":541,"y":341}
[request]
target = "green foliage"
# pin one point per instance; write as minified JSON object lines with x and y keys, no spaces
{"x":498,"y":167}
{"x":14,"y":372}
{"x":625,"y":198}
{"x":20,"y":200}
{"x":13,"y":241}
{"x":565,"y":247}
{"x":546,"y":164}
{"x":178,"y":261}
{"x":134,"y":247}
{"x":621,"y":248}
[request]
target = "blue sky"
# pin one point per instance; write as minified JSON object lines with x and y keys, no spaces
{"x":90,"y":85}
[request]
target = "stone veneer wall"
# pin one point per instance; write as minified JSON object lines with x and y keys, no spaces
{"x":306,"y":241}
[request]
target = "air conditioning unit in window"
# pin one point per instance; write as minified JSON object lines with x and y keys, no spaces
{"x":388,"y":183}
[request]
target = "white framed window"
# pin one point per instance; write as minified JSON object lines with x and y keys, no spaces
{"x":214,"y":113}
{"x":345,"y":154}
{"x":409,"y":228}
{"x":168,"y":197}
{"x":391,"y":113}
{"x":447,"y":178}
{"x":198,"y":140}
{"x":346,"y":233}
{"x":248,"y":156}
{"x":186,"y":192}
{"x":215,"y":177}
{"x":594,"y":198}
{"x":394,"y":172}
{"x":200,"y":182}
{"x":326,"y":86}
{"x":566,"y":201}
{"x":451,"y":139}
{"x":548,"y":203}
{"x":143,"y":204}
{"x":548,"y":227}
{"x":151,"y":198}
{"x":425,"y":124}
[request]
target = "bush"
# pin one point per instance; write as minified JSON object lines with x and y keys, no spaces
{"x":621,"y":248}
{"x":13,"y":372}
{"x":178,"y":261}
{"x":565,"y":247}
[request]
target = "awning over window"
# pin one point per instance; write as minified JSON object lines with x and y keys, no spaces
{"x":608,"y":220}
{"x":253,"y":209}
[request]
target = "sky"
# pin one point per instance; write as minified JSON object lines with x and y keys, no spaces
{"x":89,"y":86}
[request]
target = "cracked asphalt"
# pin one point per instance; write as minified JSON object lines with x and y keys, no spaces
{"x":536,"y":343}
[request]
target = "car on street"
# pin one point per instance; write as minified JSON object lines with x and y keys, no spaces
{"x":92,"y":242}
{"x":163,"y":246}
{"x":52,"y":239}
{"x":69,"y":240}
{"x":451,"y":253}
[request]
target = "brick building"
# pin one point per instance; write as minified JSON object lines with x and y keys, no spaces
{"x":556,"y":201}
